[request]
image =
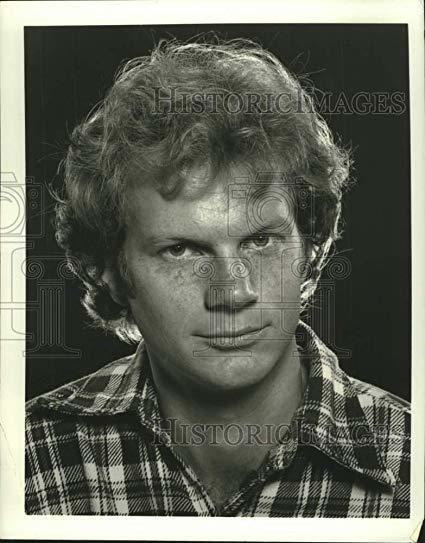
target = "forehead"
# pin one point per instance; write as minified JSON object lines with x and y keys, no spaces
{"x":237,"y":199}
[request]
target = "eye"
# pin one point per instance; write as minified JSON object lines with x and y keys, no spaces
{"x":177,"y":250}
{"x":261,"y":241}
{"x":181,"y":251}
{"x":258,"y":242}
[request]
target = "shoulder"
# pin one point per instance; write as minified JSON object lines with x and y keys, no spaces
{"x":108,"y":390}
{"x":388,"y":415}
{"x":372,"y":396}
{"x":389,"y":419}
{"x":55,"y":419}
{"x":58,"y":427}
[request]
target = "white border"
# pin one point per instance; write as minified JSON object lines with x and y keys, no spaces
{"x":13,"y":17}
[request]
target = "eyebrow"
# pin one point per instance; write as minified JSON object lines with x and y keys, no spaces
{"x":272,"y":229}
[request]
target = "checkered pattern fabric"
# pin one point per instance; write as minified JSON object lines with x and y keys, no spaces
{"x":95,"y":446}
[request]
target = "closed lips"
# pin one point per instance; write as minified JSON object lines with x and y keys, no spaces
{"x":234,"y":334}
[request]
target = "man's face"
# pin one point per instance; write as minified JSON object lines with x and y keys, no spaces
{"x":216,"y":291}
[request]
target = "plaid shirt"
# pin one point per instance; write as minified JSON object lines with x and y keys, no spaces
{"x":97,"y":446}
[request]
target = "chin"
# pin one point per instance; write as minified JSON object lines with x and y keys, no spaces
{"x":228,"y":372}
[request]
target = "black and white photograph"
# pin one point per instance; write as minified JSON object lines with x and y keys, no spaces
{"x":215,"y":230}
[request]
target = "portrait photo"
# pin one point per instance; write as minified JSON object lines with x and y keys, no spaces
{"x":217,"y":310}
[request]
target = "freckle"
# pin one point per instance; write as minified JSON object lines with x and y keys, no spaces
{"x":179,"y":277}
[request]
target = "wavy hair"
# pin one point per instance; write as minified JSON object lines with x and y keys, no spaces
{"x":214,"y":102}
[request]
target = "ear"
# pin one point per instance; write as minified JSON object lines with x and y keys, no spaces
{"x":111,"y":279}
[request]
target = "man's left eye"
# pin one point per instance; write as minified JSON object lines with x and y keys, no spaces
{"x":177,"y":250}
{"x":261,"y":241}
{"x":258,"y":241}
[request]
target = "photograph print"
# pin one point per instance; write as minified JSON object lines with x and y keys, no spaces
{"x":218,"y":270}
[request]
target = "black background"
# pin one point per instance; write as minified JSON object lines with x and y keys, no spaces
{"x":68,"y":70}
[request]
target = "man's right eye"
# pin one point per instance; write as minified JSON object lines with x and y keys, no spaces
{"x":181,"y":250}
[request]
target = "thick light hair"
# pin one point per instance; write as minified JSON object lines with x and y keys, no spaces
{"x":158,"y":117}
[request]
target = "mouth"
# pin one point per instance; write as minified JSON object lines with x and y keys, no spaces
{"x":234,"y":338}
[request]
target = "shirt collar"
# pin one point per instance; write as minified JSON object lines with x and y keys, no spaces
{"x":330,"y":417}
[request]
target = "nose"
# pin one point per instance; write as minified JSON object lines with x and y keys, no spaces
{"x":233,"y":285}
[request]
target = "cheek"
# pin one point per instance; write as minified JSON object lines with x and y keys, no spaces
{"x":161,"y":291}
{"x":281,"y":276}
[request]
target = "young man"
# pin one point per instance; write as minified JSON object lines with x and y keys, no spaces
{"x":201,"y":199}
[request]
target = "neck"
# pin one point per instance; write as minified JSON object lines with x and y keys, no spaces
{"x":235,"y":436}
{"x":271,"y":401}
